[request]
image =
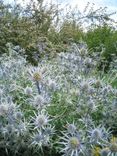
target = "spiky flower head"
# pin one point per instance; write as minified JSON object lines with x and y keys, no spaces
{"x":72,"y":145}
{"x":49,"y":130}
{"x":84,"y":86}
{"x":36,"y":76}
{"x":41,"y":120}
{"x":92,"y":106}
{"x":104,"y":152}
{"x":98,"y":135}
{"x":51,"y":83}
{"x":3,"y":109}
{"x":18,"y":115}
{"x":12,"y":108}
{"x":22,"y":128}
{"x":38,"y":101}
{"x":113,"y":147}
{"x":28,"y":91}
{"x":98,"y":83}
{"x":71,"y":128}
{"x":37,"y":140}
{"x":74,"y":142}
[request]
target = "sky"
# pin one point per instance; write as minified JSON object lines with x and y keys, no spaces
{"x":110,"y":4}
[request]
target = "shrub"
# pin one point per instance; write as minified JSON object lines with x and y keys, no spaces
{"x":103,"y":37}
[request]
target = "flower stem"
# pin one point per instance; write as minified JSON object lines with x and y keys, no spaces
{"x":38,"y":88}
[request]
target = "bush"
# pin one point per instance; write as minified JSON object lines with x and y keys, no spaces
{"x":25,"y":26}
{"x":103,"y":37}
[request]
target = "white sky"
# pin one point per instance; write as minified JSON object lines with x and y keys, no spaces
{"x":110,"y":4}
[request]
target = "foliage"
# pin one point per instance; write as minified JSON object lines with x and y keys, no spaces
{"x":103,"y":39}
{"x":26,"y":26}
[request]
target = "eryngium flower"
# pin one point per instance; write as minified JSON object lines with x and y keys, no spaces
{"x":41,"y":120}
{"x":38,"y":101}
{"x":39,"y":140}
{"x":104,"y":152}
{"x":71,"y":128}
{"x":98,"y":135}
{"x":28,"y":91}
{"x":72,"y":145}
{"x":37,"y":74}
{"x":113,"y":148}
{"x":3,"y":109}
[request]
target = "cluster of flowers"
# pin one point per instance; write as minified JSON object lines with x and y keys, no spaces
{"x":17,"y":131}
{"x":26,"y":98}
